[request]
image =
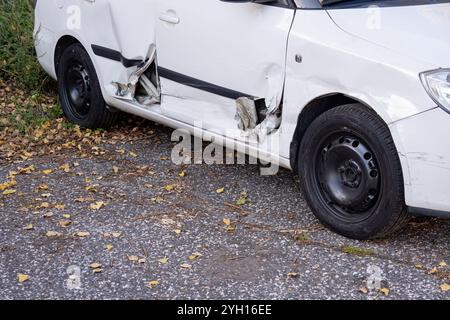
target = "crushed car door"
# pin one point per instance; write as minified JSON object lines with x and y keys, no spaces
{"x":214,"y":55}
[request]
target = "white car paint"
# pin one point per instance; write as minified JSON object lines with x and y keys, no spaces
{"x":256,"y":49}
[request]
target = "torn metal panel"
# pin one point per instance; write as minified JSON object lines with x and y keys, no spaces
{"x":255,"y":118}
{"x":143,"y":83}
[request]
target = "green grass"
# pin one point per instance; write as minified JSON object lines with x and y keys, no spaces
{"x":357,"y":251}
{"x":18,"y":60}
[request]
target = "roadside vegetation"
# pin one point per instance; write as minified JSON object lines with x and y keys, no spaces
{"x":27,"y":95}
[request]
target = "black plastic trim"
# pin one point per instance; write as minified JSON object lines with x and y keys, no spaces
{"x":115,"y":55}
{"x":200,"y":84}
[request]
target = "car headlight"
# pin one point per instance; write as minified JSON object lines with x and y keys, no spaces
{"x":437,"y":84}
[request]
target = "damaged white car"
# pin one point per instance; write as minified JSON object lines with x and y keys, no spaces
{"x":352,"y":95}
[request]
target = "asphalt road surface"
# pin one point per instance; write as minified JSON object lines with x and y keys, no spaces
{"x":120,"y":221}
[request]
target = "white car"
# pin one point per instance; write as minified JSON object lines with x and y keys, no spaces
{"x":352,"y":95}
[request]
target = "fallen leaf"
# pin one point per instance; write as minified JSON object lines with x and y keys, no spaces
{"x":53,"y":234}
{"x":9,"y":192}
{"x":186,"y":266}
{"x":132,"y":154}
{"x":48,"y":215}
{"x":163,"y":261}
{"x":47,"y":171}
{"x":182,"y":174}
{"x":153,"y":284}
{"x":243,"y":199}
{"x":116,"y":234}
{"x":115,"y":169}
{"x":97,"y":206}
{"x":221,"y":190}
{"x":60,"y":207}
{"x":133,"y":258}
{"x":82,"y":234}
{"x":442,"y":264}
{"x":177,"y":231}
{"x":169,"y":187}
{"x":385,"y":291}
{"x":22,"y":277}
{"x":65,"y":223}
{"x":432,"y":271}
{"x":109,"y":247}
{"x":43,"y":187}
{"x":195,"y":256}
{"x":28,"y":227}
{"x":364,"y":290}
{"x":65,"y":168}
{"x":445,"y":287}
{"x":95,"y":265}
{"x":227,"y":221}
{"x":293,"y":275}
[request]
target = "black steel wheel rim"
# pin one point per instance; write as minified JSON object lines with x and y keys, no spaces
{"x":348,"y":176}
{"x":78,"y":88}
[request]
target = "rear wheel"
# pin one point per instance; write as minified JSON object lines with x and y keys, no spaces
{"x":79,"y":90}
{"x":351,"y":174}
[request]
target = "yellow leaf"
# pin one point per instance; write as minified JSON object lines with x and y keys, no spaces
{"x":95,"y":265}
{"x":169,"y":187}
{"x":22,"y":277}
{"x":195,"y":256}
{"x":442,"y":264}
{"x":82,"y":234}
{"x":28,"y":227}
{"x":385,"y":291}
{"x":47,"y":171}
{"x":177,"y":231}
{"x":132,"y":154}
{"x":293,"y":275}
{"x":43,"y":187}
{"x":433,"y":271}
{"x":65,"y":223}
{"x":153,"y":283}
{"x":66,"y":216}
{"x":186,"y":266}
{"x":445,"y":287}
{"x":9,"y":192}
{"x":60,"y":206}
{"x":115,"y":169}
{"x":53,"y":234}
{"x":182,"y":174}
{"x":163,"y":261}
{"x":43,"y":205}
{"x":221,"y":190}
{"x":97,"y":206}
{"x":109,"y":247}
{"x":227,"y":221}
{"x":65,"y":167}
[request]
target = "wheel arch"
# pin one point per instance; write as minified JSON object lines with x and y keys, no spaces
{"x":63,"y":42}
{"x":311,"y":111}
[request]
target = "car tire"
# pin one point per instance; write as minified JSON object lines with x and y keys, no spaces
{"x":79,"y":90}
{"x":351,"y":174}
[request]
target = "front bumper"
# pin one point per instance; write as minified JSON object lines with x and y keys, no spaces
{"x":423,"y":143}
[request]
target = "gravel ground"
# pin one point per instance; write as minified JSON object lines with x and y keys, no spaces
{"x":159,"y":235}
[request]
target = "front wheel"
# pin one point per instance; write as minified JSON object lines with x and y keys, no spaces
{"x":351,"y":173}
{"x":79,"y":90}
